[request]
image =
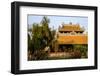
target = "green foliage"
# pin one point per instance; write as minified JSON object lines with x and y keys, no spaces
{"x":42,"y":36}
{"x":30,"y":47}
{"x":40,"y":55}
{"x":45,"y":21}
{"x":36,"y":36}
{"x":83,"y":49}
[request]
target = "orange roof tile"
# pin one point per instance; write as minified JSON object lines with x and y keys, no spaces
{"x":71,"y":27}
{"x":81,"y":39}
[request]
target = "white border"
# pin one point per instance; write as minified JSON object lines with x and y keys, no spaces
{"x":26,"y":65}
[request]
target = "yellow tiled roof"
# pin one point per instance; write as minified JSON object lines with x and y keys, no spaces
{"x":71,"y":27}
{"x":81,"y":39}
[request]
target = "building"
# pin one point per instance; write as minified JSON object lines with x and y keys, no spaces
{"x":70,"y":34}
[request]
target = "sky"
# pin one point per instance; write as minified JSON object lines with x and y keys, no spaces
{"x":56,"y":21}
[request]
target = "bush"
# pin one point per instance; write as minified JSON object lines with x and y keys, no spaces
{"x":76,"y":54}
{"x":40,"y":55}
{"x":83,"y":50}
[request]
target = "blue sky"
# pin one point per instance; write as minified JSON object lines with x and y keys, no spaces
{"x":56,"y":21}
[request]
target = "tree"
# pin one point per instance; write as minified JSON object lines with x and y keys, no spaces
{"x":82,"y":48}
{"x":47,"y":33}
{"x":37,"y":36}
{"x":45,"y":21}
{"x":42,"y":36}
